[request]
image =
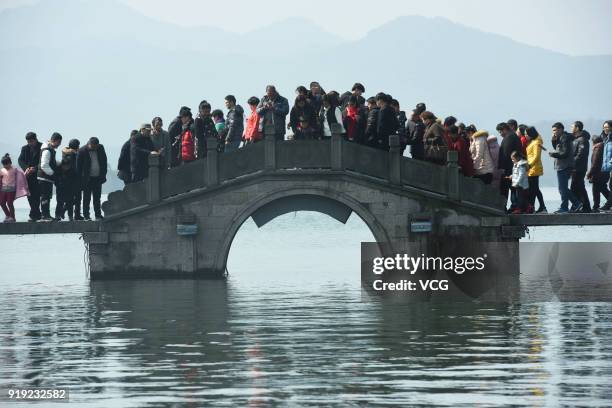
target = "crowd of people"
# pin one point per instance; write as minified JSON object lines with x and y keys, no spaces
{"x":514,"y":165}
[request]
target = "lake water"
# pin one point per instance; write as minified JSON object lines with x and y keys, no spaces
{"x":288,"y":328}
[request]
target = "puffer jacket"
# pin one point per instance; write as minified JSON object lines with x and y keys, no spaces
{"x":581,"y":151}
{"x":519,"y":174}
{"x":534,"y":157}
{"x":481,"y":156}
{"x":596,"y":158}
{"x":234,"y":124}
{"x":564,"y":151}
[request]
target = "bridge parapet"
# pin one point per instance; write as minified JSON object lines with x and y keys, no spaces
{"x":335,"y":155}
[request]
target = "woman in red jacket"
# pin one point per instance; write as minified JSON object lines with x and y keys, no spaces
{"x":252,"y":131}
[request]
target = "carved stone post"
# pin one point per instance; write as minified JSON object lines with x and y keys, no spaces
{"x":395,"y":170}
{"x":212,"y":156}
{"x":154,"y":179}
{"x":452,"y":172}
{"x":269,"y":147}
{"x":336,"y":146}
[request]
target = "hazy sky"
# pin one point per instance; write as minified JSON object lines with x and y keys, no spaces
{"x":575,"y":27}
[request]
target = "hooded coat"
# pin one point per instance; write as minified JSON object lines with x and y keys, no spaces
{"x":534,"y":157}
{"x":234,"y":124}
{"x":581,"y":148}
{"x":481,"y":156}
{"x":519,"y":174}
{"x":596,"y":158}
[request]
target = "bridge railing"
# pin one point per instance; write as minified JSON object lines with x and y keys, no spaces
{"x":334,"y":155}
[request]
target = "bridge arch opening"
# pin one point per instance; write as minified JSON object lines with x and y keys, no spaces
{"x":296,"y":231}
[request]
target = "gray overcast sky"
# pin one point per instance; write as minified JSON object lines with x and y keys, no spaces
{"x":575,"y":27}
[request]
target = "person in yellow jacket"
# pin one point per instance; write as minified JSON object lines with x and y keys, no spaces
{"x":534,"y":159}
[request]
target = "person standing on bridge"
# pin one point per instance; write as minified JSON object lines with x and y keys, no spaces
{"x":520,"y":184}
{"x":536,"y":170}
{"x":92,"y":165}
{"x":46,"y":174}
{"x":273,"y":109}
{"x":161,"y":141}
{"x":13,"y":184}
{"x":204,"y":128}
{"x":596,"y":176}
{"x":606,"y":166}
{"x":464,"y":157}
{"x":175,"y":130}
{"x":481,"y":157}
{"x":124,"y":171}
{"x":355,"y":120}
{"x":301,"y":109}
{"x":141,"y":148}
{"x":415,"y":131}
{"x":401,"y":120}
{"x":433,"y":139}
{"x":234,"y":124}
{"x":187,"y":139}
{"x":371,"y":135}
{"x":357,"y":90}
{"x":387,"y":120}
{"x":252,"y":132}
{"x":330,"y":115}
{"x":581,"y":149}
{"x":315,"y":96}
{"x":510,"y":143}
{"x":68,"y":186}
{"x":564,"y":165}
{"x":28,"y":160}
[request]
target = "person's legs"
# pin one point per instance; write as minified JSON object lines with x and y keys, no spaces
{"x":533,"y":180}
{"x":504,"y":186}
{"x":77,"y":201}
{"x":539,"y":196}
{"x":86,"y":199}
{"x":46,"y":194}
{"x":608,"y":205}
{"x":579,"y":190}
{"x":96,"y":189}
{"x":3,"y":204}
{"x":563,"y":177}
{"x":34,"y":198}
{"x":10,"y":200}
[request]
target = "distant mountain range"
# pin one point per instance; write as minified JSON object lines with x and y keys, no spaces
{"x":87,"y":68}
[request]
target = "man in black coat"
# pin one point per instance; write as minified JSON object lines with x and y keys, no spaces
{"x":415,"y":130}
{"x":387,"y":121}
{"x":371,"y":135}
{"x":29,"y":159}
{"x":581,"y":159}
{"x":510,"y":143}
{"x":140,"y":150}
{"x":124,"y":170}
{"x":92,"y":165}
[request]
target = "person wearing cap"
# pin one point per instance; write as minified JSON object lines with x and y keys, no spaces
{"x":273,"y":109}
{"x":92,"y":165}
{"x":29,"y":160}
{"x":140,"y":149}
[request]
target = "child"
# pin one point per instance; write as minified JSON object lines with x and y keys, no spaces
{"x":217,"y":116}
{"x":520,"y":184}
{"x":13,"y":184}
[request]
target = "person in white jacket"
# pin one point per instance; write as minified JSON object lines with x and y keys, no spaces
{"x":46,"y":174}
{"x":483,"y":162}
{"x":520,"y":183}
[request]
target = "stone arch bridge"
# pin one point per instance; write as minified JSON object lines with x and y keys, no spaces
{"x":181,"y":222}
